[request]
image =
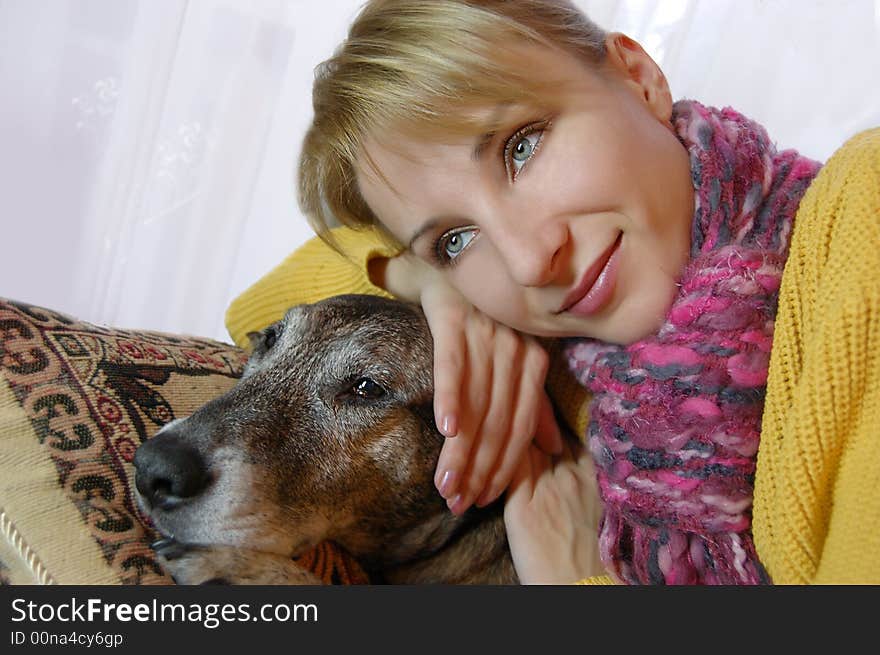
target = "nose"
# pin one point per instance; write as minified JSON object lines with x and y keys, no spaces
{"x":533,"y":250}
{"x":169,"y":471}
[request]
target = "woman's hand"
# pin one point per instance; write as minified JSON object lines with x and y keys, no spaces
{"x":489,"y":398}
{"x":552,"y":516}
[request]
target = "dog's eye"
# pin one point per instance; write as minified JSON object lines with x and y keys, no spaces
{"x":366,"y":388}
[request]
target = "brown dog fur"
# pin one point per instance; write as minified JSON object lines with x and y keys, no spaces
{"x":304,"y":449}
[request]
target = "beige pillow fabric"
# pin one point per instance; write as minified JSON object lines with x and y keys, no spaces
{"x":76,"y":400}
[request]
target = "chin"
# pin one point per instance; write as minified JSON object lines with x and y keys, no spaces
{"x":634,"y":333}
{"x":639,"y":321}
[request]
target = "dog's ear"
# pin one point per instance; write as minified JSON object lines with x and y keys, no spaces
{"x":255,"y":338}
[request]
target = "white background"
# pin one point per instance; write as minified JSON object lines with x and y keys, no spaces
{"x":147,"y":147}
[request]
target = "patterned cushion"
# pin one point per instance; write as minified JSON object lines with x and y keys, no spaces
{"x":76,"y":400}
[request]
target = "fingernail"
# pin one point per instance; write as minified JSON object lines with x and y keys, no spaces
{"x":456,"y":505}
{"x":448,"y":427}
{"x":446,"y":483}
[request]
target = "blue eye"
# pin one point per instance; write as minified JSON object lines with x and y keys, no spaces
{"x":452,"y":244}
{"x":520,"y":148}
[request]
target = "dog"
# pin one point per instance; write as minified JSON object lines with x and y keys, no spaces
{"x":328,"y":435}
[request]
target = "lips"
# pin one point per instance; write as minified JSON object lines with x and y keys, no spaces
{"x":597,"y":284}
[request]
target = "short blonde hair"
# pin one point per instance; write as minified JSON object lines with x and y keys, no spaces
{"x":418,"y":66}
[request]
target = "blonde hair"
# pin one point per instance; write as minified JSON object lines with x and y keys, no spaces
{"x":418,"y":67}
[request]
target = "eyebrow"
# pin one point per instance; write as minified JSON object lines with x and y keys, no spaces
{"x":492,"y":131}
{"x":479,"y":148}
{"x":427,"y":227}
{"x":481,"y":145}
{"x":476,"y":154}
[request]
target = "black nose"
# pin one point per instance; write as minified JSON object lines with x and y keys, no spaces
{"x":169,"y":471}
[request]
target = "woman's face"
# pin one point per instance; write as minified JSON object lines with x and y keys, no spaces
{"x":570,"y":222}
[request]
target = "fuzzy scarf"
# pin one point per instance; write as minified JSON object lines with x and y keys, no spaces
{"x":675,"y":418}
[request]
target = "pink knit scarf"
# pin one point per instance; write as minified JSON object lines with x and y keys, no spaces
{"x":675,"y":418}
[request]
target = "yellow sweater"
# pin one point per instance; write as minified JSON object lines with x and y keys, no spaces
{"x":816,"y":515}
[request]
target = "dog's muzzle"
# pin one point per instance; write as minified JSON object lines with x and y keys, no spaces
{"x":169,"y":472}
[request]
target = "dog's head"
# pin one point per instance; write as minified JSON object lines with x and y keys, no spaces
{"x":328,"y":435}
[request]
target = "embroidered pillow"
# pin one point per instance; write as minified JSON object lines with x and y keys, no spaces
{"x":76,"y":400}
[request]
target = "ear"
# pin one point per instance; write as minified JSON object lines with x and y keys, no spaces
{"x":640,"y":72}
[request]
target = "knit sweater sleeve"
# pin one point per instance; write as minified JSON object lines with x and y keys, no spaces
{"x":817,"y":503}
{"x":311,"y":273}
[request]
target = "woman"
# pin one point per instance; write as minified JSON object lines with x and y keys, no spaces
{"x":532,"y":177}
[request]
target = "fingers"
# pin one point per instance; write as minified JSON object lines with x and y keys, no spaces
{"x":533,"y":414}
{"x":455,"y":464}
{"x":447,"y":317}
{"x":522,"y":482}
{"x":551,"y":514}
{"x":494,"y":431}
{"x":489,"y":399}
{"x":527,"y":474}
{"x":450,"y":349}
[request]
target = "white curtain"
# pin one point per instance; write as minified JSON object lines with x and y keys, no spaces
{"x":148,"y":146}
{"x":809,"y":70}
